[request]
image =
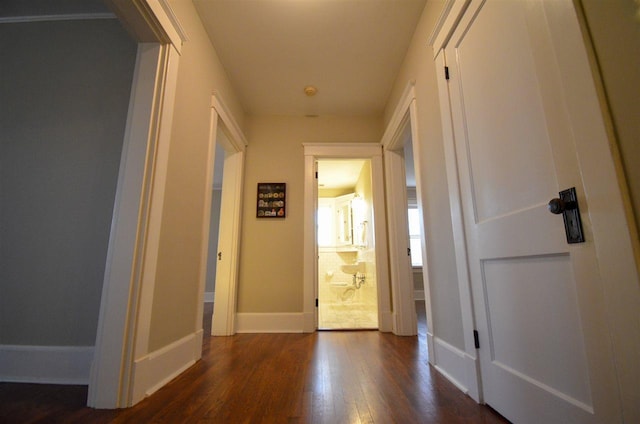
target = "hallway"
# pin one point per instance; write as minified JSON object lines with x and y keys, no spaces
{"x":323,"y":377}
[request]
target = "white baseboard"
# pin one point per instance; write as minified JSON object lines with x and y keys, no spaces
{"x":431,"y":348}
{"x":209,"y":296}
{"x":418,"y":294}
{"x":45,"y":364}
{"x":270,"y":323}
{"x":156,"y":369}
{"x":452,"y":363}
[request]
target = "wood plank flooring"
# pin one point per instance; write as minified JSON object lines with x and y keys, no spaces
{"x":325,"y":377}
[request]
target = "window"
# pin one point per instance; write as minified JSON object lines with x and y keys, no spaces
{"x":414,"y":236}
{"x":325,"y":225}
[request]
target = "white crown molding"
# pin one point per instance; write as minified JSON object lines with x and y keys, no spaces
{"x":440,"y":23}
{"x":53,"y":18}
{"x":174,"y":20}
{"x":237,"y":138}
{"x":399,"y":117}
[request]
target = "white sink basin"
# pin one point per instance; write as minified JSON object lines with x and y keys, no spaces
{"x":353,"y":269}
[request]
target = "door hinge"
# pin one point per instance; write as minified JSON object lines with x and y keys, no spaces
{"x":316,"y":175}
{"x":219,"y":256}
{"x":476,"y":339}
{"x":316,"y":302}
{"x":446,"y":73}
{"x":408,"y":251}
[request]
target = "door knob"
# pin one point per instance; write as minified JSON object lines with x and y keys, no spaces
{"x":567,"y":205}
{"x":557,"y":206}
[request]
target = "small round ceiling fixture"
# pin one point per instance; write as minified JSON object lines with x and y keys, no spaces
{"x":310,"y":90}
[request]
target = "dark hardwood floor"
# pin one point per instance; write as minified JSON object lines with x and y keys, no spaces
{"x":325,"y":377}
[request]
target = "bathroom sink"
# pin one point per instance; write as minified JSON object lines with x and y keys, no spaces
{"x":353,"y":268}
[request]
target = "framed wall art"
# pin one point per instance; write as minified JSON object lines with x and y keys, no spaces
{"x":272,"y":200}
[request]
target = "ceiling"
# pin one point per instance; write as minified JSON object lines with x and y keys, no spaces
{"x":350,"y":50}
{"x":339,"y":173}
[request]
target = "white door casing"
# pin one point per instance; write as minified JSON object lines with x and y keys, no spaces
{"x":223,"y":320}
{"x":404,"y":314}
{"x":522,"y":121}
{"x":312,"y":152}
{"x":123,"y":319}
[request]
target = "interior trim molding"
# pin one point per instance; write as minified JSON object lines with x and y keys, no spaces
{"x":391,"y":136}
{"x":45,"y":364}
{"x":451,"y":362}
{"x":440,"y":23}
{"x":237,"y":137}
{"x":157,"y":368}
{"x":54,"y":18}
{"x":173,"y":19}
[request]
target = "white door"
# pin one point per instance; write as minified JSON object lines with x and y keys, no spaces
{"x":545,"y":352}
{"x":223,"y":320}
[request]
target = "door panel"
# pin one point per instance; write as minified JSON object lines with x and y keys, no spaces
{"x":497,"y":81}
{"x":517,"y":291}
{"x":544,"y":355}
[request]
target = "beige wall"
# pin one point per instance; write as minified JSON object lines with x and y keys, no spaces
{"x":64,"y":96}
{"x":176,"y":288}
{"x":365,"y":190}
{"x":271,"y":249}
{"x":419,"y":66}
{"x":615,"y":30}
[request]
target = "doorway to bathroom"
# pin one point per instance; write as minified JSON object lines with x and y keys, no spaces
{"x":347,"y":284}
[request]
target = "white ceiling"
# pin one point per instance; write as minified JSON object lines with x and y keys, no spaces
{"x":339,"y":173}
{"x":351,"y":50}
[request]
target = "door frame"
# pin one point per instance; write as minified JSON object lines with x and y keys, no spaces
{"x":127,"y":291}
{"x":223,"y":319}
{"x":373,"y":152}
{"x":404,"y":313}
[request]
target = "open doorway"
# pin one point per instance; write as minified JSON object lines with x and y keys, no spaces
{"x":372,"y":152}
{"x":416,"y":237}
{"x":221,"y":222}
{"x":347,"y":283}
{"x":406,"y":245}
{"x":214,"y":231}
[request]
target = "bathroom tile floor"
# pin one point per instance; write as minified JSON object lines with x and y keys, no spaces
{"x":347,"y":317}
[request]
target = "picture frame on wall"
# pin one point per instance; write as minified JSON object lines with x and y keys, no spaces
{"x":271,"y":200}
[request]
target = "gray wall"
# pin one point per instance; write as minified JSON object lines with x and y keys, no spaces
{"x":64,"y":94}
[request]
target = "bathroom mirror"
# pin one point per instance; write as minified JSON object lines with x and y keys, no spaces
{"x":344,"y":220}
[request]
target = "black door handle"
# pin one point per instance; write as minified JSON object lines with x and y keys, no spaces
{"x":557,"y":206}
{"x":567,"y":205}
